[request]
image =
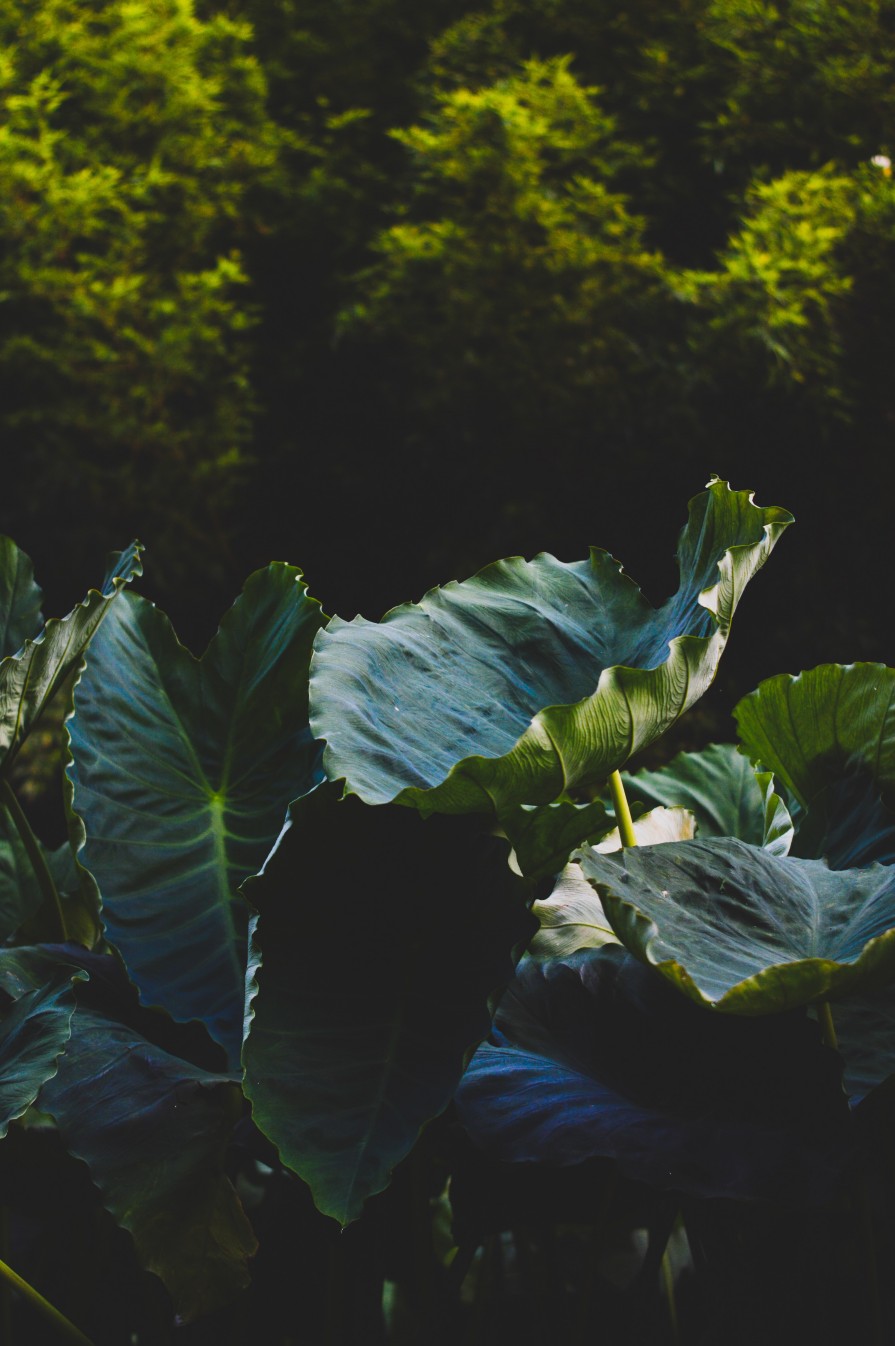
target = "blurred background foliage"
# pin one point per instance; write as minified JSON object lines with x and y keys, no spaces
{"x":391,"y":289}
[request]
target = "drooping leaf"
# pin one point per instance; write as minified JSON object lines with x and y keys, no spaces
{"x":151,"y":1124}
{"x":723,"y":792}
{"x":531,"y":678}
{"x":829,"y":736}
{"x":745,"y":931}
{"x":572,"y":917}
{"x":20,"y":616}
{"x":30,"y":677}
{"x":595,"y":1055}
{"x":380,"y":939}
{"x":182,"y":771}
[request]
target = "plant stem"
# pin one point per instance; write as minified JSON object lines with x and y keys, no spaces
{"x":35,"y":855}
{"x":622,"y":811}
{"x":67,"y":1328}
{"x":827,"y":1028}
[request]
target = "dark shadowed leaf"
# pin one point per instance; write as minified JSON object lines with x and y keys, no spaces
{"x":379,"y":941}
{"x":20,"y":895}
{"x":133,"y":1100}
{"x":182,"y":771}
{"x":20,"y":616}
{"x":30,"y":677}
{"x":595,"y":1055}
{"x":748,"y":932}
{"x":531,"y":678}
{"x":153,"y":1130}
{"x":865,"y":1028}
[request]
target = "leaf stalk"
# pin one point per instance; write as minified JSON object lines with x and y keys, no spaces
{"x":622,"y":810}
{"x":44,"y":1306}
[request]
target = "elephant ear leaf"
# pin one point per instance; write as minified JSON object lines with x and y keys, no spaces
{"x":533,"y":678}
{"x":745,"y":931}
{"x":182,"y":771}
{"x":20,"y":616}
{"x":379,"y":942}
{"x":829,"y":737}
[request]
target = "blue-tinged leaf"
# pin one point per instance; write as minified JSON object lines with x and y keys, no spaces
{"x":379,"y":942}
{"x":531,"y":678}
{"x":746,"y":931}
{"x":34,"y":1030}
{"x":182,"y":771}
{"x":595,"y":1055}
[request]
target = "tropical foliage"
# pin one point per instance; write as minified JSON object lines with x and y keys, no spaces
{"x":356,"y":881}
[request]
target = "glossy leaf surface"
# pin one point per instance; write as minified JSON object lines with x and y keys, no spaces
{"x":182,"y":771}
{"x":30,"y":677}
{"x":743,"y":930}
{"x":379,"y":941}
{"x":595,"y":1055}
{"x":531,"y":678}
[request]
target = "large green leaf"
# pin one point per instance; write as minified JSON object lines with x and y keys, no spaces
{"x":811,"y":728}
{"x":20,"y":616}
{"x":829,"y":735}
{"x":30,"y":677}
{"x":746,"y":931}
{"x":182,"y":771}
{"x":722,"y":791}
{"x":380,"y":939}
{"x":533,"y":677}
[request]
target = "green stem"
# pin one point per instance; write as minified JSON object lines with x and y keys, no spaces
{"x":67,"y":1328}
{"x":827,"y":1027}
{"x":35,"y":855}
{"x":622,"y":812}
